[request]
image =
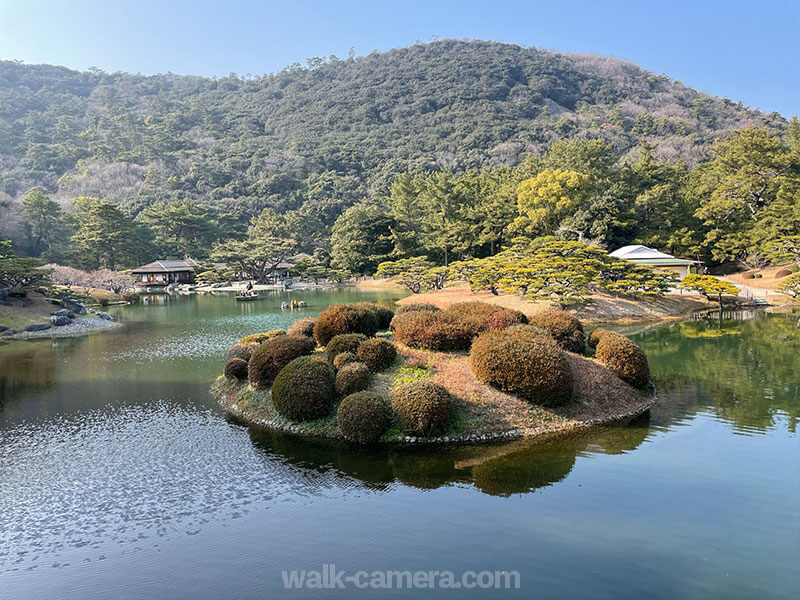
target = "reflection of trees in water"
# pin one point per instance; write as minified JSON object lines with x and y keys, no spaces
{"x":26,"y":366}
{"x":748,"y":370}
{"x":513,"y":468}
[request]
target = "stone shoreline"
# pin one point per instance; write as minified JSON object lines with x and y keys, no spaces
{"x":79,"y":327}
{"x":254,"y":416}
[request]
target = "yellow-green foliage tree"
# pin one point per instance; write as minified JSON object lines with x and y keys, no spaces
{"x":417,"y":274}
{"x":790,"y":286}
{"x":544,"y":200}
{"x":709,"y":286}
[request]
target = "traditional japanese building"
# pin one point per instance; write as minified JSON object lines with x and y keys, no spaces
{"x":161,"y":273}
{"x":642,"y":255}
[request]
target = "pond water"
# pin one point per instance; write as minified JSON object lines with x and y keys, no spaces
{"x":121,"y":478}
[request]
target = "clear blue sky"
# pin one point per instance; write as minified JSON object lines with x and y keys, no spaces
{"x":746,"y":51}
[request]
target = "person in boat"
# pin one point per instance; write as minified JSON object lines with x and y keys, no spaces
{"x":284,"y":306}
{"x":249,"y":287}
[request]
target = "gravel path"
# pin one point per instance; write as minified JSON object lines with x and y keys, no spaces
{"x":80,"y":326}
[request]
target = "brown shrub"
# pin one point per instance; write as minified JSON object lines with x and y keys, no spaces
{"x":240,"y":350}
{"x":595,"y":336}
{"x":236,"y":368}
{"x":782,"y":273}
{"x":564,"y":327}
{"x":407,"y":308}
{"x":377,"y":353}
{"x":304,"y":390}
{"x":273,"y":355}
{"x":353,"y":377}
{"x":339,"y":319}
{"x":623,"y":357}
{"x":422,"y":407}
{"x":304,"y":327}
{"x":347,"y":342}
{"x":525,"y":363}
{"x":260,"y":338}
{"x":433,"y":331}
{"x":364,"y":417}
{"x":383,"y":314}
{"x":486,"y":317}
{"x":344,"y":358}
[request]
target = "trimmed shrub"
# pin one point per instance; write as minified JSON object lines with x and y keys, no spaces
{"x":623,"y":357}
{"x":353,"y":377}
{"x":782,"y":273}
{"x":433,"y":331}
{"x":486,"y":317}
{"x":236,"y":368}
{"x":260,"y":338}
{"x":273,"y":355}
{"x":339,"y":319}
{"x":383,"y":314}
{"x":525,"y":363}
{"x":241,"y":350}
{"x":377,"y":353}
{"x":422,"y":407}
{"x":525,"y":333}
{"x":364,"y":417}
{"x":595,"y":336}
{"x":758,"y":275}
{"x":564,"y":328}
{"x":304,"y":390}
{"x":407,"y":308}
{"x":302,"y":327}
{"x":347,"y":342}
{"x":344,"y":358}
{"x":748,"y":275}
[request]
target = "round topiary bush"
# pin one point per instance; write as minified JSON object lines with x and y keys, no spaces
{"x":782,"y":273}
{"x":407,"y":308}
{"x":352,"y":377}
{"x":339,"y":319}
{"x":347,"y":342}
{"x":595,"y":336}
{"x":530,"y":365}
{"x":433,"y":331}
{"x":748,"y":275}
{"x":302,"y":327}
{"x":236,"y":368}
{"x":304,"y":390}
{"x":364,"y":417}
{"x":422,"y":407}
{"x":344,"y":358}
{"x":377,"y":353}
{"x":383,"y":314}
{"x":273,"y":355}
{"x":240,"y":350}
{"x":623,"y":357}
{"x":564,"y":327}
{"x":486,"y":317}
{"x":260,"y":338}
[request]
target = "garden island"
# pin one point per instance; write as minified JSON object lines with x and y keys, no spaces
{"x":471,"y":372}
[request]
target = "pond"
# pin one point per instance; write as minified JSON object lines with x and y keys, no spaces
{"x":121,"y":478}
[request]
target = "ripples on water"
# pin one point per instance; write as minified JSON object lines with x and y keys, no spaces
{"x":122,"y":475}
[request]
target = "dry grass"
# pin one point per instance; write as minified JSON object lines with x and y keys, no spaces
{"x":603,"y":308}
{"x":381,"y":285}
{"x":767,"y":281}
{"x":35,"y":309}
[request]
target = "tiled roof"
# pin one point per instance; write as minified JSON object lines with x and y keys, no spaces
{"x":166,"y":266}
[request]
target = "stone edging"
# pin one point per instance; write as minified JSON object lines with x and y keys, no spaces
{"x":277,"y":424}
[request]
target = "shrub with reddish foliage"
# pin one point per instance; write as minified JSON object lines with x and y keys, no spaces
{"x":782,"y":273}
{"x":407,"y":308}
{"x":623,"y":357}
{"x":486,"y":317}
{"x":236,"y":368}
{"x":524,"y":362}
{"x":240,"y":350}
{"x":302,"y":327}
{"x":564,"y":328}
{"x":433,"y":331}
{"x":344,"y":358}
{"x":339,"y":319}
{"x":422,"y":407}
{"x":271,"y":356}
{"x":383,"y":314}
{"x":377,"y":353}
{"x":347,"y":342}
{"x":304,"y":390}
{"x":364,"y":417}
{"x":260,"y":338}
{"x":353,"y":377}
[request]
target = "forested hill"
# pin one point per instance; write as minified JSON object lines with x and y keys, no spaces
{"x":337,"y":130}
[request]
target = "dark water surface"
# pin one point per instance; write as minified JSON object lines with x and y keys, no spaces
{"x":120,"y":477}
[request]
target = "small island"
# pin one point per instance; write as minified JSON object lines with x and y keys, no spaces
{"x":472,"y":372}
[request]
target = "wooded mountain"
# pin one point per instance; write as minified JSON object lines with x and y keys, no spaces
{"x":326,"y":135}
